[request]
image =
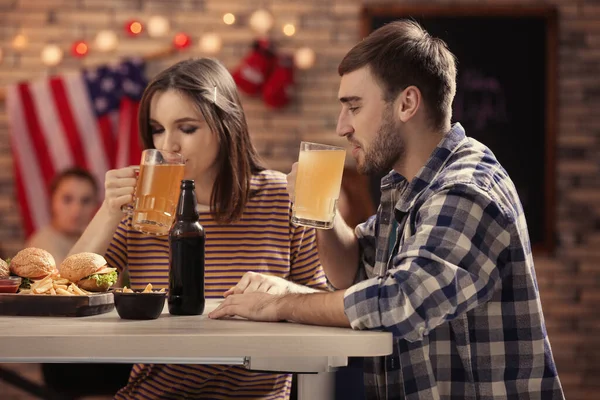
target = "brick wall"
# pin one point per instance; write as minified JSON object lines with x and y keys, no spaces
{"x":569,"y":282}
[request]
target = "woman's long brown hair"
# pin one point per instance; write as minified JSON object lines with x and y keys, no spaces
{"x":237,"y":159}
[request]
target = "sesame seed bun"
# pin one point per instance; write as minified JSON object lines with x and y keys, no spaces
{"x":78,"y":266}
{"x":32,"y":263}
{"x":4,"y":270}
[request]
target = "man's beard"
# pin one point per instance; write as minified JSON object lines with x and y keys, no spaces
{"x":386,"y":149}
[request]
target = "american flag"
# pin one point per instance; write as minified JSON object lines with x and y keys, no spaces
{"x":87,"y":119}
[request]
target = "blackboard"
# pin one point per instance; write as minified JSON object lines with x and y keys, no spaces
{"x":506,"y":91}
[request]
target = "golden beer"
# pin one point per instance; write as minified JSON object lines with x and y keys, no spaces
{"x":318,"y":182}
{"x":156,"y":192}
{"x":156,"y":196}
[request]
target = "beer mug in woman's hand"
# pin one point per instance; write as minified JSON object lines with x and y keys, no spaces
{"x":154,"y":200}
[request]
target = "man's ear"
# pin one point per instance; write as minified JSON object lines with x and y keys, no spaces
{"x":408,"y":103}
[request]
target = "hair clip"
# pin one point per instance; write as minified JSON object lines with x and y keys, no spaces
{"x":215,"y":95}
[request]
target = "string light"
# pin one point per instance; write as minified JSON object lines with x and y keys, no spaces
{"x":261,"y":21}
{"x":229,"y":18}
{"x":133,"y":28}
{"x":210,"y":43}
{"x":181,"y":41}
{"x":304,"y":58}
{"x":106,"y":40}
{"x":289,"y":29}
{"x":20,"y":42}
{"x":51,"y":55}
{"x":158,"y":26}
{"x":80,"y":49}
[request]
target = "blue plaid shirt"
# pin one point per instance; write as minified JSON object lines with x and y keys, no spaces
{"x":446,"y":266}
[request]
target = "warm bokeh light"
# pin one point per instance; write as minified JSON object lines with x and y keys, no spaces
{"x":106,"y":40}
{"x":158,"y":26}
{"x":51,"y":55}
{"x":261,"y":21}
{"x":229,"y":18}
{"x":181,"y":41}
{"x":134,"y":28}
{"x":304,"y":58}
{"x":20,"y":42}
{"x":80,"y":48}
{"x":210,"y":43}
{"x":289,"y":29}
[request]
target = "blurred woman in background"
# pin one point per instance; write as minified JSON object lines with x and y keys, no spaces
{"x":73,"y":202}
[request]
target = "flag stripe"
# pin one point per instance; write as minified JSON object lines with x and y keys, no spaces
{"x":30,"y":182}
{"x":87,"y":127}
{"x":107,"y":135}
{"x":50,"y":126}
{"x":22,"y":196}
{"x":37,"y":138}
{"x":124,"y":136}
{"x":135,"y":145}
{"x":68,"y":123}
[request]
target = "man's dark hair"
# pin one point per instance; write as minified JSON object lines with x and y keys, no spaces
{"x":402,"y":54}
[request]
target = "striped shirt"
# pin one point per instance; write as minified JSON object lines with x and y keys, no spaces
{"x":447,"y":268}
{"x":263,"y":241}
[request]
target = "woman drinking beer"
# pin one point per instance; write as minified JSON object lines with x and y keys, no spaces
{"x":193,"y":109}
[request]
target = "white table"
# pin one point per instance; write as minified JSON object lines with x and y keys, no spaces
{"x":310,"y":351}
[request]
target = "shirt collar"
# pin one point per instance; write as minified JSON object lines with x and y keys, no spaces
{"x":445,"y":148}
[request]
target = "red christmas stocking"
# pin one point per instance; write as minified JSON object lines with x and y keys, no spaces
{"x":278,"y":90}
{"x":251,"y":75}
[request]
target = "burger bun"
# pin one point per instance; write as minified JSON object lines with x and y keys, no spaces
{"x":4,"y":270}
{"x":32,"y":263}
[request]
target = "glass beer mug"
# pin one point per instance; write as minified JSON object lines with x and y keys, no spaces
{"x":156,"y":192}
{"x":318,"y":183}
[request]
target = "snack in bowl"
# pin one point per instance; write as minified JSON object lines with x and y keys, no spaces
{"x":31,"y":264}
{"x":146,"y":304}
{"x":89,"y":271}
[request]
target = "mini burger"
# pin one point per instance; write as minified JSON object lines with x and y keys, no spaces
{"x":88,"y":271}
{"x":4,"y":270}
{"x":32,"y":264}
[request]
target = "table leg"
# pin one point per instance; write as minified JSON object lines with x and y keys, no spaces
{"x":319,"y":386}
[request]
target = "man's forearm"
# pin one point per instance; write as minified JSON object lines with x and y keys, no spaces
{"x":338,"y":251}
{"x":326,"y":309}
{"x":295,"y":288}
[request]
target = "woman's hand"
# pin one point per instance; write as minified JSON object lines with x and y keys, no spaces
{"x":120,"y":185}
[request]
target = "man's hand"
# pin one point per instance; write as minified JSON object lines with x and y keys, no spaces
{"x":324,"y":308}
{"x":256,"y":282}
{"x":253,"y":306}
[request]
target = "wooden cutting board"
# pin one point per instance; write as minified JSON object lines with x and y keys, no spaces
{"x":55,"y":306}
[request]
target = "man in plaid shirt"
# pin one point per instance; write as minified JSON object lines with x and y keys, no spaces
{"x":446,"y":263}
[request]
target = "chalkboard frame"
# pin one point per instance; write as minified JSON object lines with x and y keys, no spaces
{"x":547,"y":12}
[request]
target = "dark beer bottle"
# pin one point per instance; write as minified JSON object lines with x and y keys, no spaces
{"x":186,"y":256}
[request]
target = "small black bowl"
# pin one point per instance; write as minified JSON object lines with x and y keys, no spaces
{"x":139,"y":305}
